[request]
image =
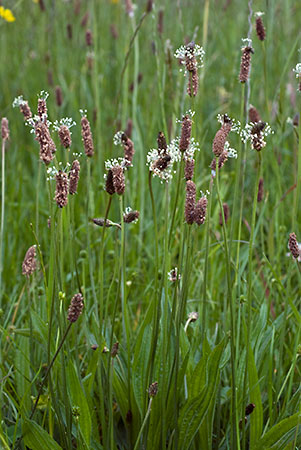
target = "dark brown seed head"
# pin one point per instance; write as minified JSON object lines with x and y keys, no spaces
{"x":115,"y":348}
{"x":258,"y":127}
{"x":160,"y":21}
{"x":221,"y":160}
{"x":89,"y":40}
{"x":260,"y":31}
{"x":254,"y":115}
{"x":47,"y":146}
{"x":4,"y":129}
{"x":129,"y":128}
{"x":29,"y":264}
{"x":87,"y":137}
{"x":25,"y":110}
{"x":189,"y":167}
{"x":42,"y":109}
{"x":249,"y":409}
{"x":100,"y":222}
{"x":131,"y":216}
{"x":109,"y":183}
{"x":220,"y":138}
{"x":129,"y":8}
{"x":42,"y":5}
{"x":149,"y":6}
{"x":118,"y":179}
{"x":241,"y":422}
{"x":84,"y":20}
{"x":76,"y":308}
{"x":65,"y":136}
{"x":58,"y":96}
{"x":190,"y":59}
{"x":74,"y":177}
{"x":245,"y":64}
{"x":161,"y":140}
{"x":193,"y":83}
{"x":69,"y":31}
{"x":226,"y":210}
{"x":50,"y":77}
{"x":129,"y":150}
{"x":201,"y":210}
{"x":62,"y":189}
{"x":260,"y":191}
{"x":162,"y":163}
{"x":296,"y":120}
{"x":185,"y":133}
{"x":153,"y":389}
{"x":77,"y":6}
{"x":293,"y":245}
{"x":190,"y":202}
{"x":114,"y":31}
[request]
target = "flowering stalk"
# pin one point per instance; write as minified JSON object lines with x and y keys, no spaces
{"x":234,"y":417}
{"x":5,"y":137}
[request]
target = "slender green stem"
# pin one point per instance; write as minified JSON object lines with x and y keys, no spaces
{"x":48,"y":370}
{"x":250,"y":285}
{"x":2,"y":214}
{"x":143,"y":424}
{"x":207,"y":242}
{"x":180,"y":176}
{"x":297,"y":195}
{"x":101,"y":265}
{"x":234,"y":419}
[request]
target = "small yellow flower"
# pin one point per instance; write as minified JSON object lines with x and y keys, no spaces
{"x":115,"y":1}
{"x":7,"y":14}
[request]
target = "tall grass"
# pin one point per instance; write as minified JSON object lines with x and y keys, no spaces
{"x":158,"y":358}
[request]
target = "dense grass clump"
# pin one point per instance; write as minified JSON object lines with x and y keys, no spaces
{"x":150,"y":216}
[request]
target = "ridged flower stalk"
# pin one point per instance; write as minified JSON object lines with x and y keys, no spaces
{"x":234,"y":419}
{"x":250,"y":283}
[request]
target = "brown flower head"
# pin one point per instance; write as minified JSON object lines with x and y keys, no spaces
{"x":109,"y":183}
{"x":65,"y":136}
{"x":69,"y":31}
{"x":100,"y":222}
{"x":190,"y":202}
{"x":226,"y":210}
{"x":220,"y":138}
{"x":249,"y":409}
{"x":115,"y":348}
{"x":76,"y":308}
{"x":42,"y":106}
{"x":162,"y":163}
{"x":129,"y":150}
{"x":161,"y":140}
{"x":118,"y":179}
{"x":130,"y":216}
{"x":294,"y":246}
{"x":153,"y":389}
{"x":245,"y":63}
{"x":129,"y":8}
{"x":61,"y":192}
{"x":23,"y":106}
{"x":4,"y":129}
{"x":85,"y":19}
{"x":89,"y":40}
{"x":58,"y":96}
{"x":129,"y":128}
{"x":221,"y":160}
{"x":160,"y":21}
{"x":87,"y":136}
{"x":47,"y":146}
{"x":254,"y":115}
{"x":260,"y":191}
{"x":201,"y":210}
{"x":185,"y":133}
{"x":189,"y":167}
{"x":260,"y":31}
{"x":29,"y":264}
{"x":74,"y":177}
{"x":256,"y":136}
